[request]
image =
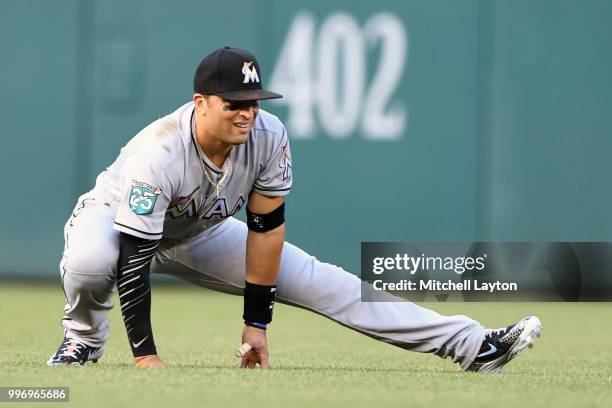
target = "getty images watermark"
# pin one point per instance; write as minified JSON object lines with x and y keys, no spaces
{"x":412,"y":264}
{"x":486,"y":271}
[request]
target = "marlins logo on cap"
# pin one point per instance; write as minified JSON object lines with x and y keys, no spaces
{"x":250,"y":74}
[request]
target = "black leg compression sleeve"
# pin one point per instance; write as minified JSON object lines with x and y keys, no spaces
{"x":134,"y":288}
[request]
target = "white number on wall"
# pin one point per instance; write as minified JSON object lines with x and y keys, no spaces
{"x":324,"y":73}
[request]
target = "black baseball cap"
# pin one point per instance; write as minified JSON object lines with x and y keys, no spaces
{"x":232,"y":74}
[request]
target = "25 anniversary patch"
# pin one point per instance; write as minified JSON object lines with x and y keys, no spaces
{"x":143,"y":197}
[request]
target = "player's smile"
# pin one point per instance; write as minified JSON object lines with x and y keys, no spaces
{"x":244,"y":127}
{"x":243,"y":130}
{"x":246,"y":112}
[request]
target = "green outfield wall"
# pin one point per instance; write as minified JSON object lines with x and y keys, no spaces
{"x":409,"y":121}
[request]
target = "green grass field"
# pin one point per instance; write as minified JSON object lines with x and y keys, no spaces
{"x":315,"y":361}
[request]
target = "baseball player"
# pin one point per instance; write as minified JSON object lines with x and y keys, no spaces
{"x":166,"y":205}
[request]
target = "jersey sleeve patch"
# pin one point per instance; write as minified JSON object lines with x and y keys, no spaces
{"x":145,"y":192}
{"x":285,"y":162}
{"x":275,"y":177}
{"x":143,"y":197}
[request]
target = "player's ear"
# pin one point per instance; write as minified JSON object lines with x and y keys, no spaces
{"x":200,"y":101}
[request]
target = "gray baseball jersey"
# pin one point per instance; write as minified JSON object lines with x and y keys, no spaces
{"x":157,"y":186}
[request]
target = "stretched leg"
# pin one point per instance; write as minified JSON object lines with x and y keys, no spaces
{"x":216,"y":259}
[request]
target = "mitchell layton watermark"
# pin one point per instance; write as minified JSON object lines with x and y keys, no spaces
{"x":446,"y":286}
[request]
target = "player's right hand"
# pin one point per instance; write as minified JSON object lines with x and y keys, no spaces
{"x":258,"y":354}
{"x":150,"y":361}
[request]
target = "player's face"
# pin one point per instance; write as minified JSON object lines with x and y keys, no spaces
{"x":230,"y":121}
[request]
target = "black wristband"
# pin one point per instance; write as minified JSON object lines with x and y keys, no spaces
{"x":266,"y":222}
{"x":258,"y":303}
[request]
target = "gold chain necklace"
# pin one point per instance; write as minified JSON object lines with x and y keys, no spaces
{"x":219,"y":184}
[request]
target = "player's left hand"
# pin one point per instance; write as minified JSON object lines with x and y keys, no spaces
{"x":150,"y":361}
{"x":258,"y":354}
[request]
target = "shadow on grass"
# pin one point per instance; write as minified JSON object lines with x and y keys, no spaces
{"x":419,"y":369}
{"x":321,"y":368}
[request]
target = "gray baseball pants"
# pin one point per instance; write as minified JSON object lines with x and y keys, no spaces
{"x":216,"y":259}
